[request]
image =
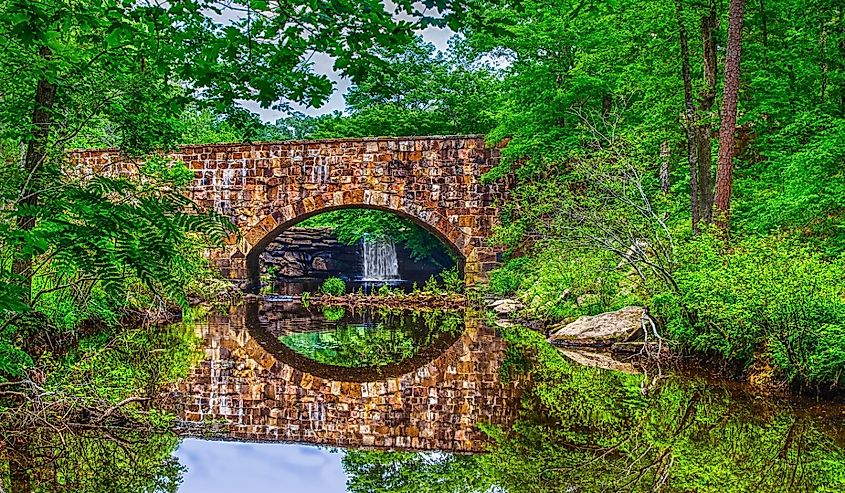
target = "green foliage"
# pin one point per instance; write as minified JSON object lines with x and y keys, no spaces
{"x":508,"y":278}
{"x":380,"y":471}
{"x":431,"y":285}
{"x":333,"y":286}
{"x":800,"y":184}
{"x":419,"y":91}
{"x":384,"y":290}
{"x":13,"y":360}
{"x":452,"y":280}
{"x":556,"y":281}
{"x":96,"y":432}
{"x":122,"y":363}
{"x":333,"y":313}
{"x":597,"y":430}
{"x":125,"y":461}
{"x":765,"y":297}
{"x":591,"y":111}
{"x":109,"y":231}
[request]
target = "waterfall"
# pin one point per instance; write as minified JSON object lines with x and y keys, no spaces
{"x":380,"y":263}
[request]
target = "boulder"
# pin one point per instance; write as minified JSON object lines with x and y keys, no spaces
{"x":292,"y":264}
{"x":319,"y":264}
{"x":622,"y":325}
{"x":506,"y":306}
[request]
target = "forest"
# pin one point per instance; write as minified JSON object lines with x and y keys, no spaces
{"x":687,"y":156}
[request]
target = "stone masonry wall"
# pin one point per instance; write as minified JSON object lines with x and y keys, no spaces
{"x":311,"y":252}
{"x":265,"y":188}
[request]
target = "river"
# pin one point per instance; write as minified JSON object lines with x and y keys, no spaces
{"x":283,"y":396}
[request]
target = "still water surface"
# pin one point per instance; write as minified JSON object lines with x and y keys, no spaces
{"x":287,"y":397}
{"x":332,"y":379}
{"x":277,"y":371}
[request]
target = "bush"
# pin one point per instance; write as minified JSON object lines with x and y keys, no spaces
{"x":333,"y":313}
{"x":767,"y":298}
{"x":557,"y":282}
{"x":333,"y":286}
{"x":507,"y":279}
{"x":384,"y":290}
{"x":452,"y":280}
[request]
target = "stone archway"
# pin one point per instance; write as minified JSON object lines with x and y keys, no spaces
{"x":256,"y":239}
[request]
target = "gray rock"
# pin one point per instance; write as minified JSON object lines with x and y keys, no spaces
{"x":506,"y":306}
{"x":319,"y":264}
{"x":622,"y":325}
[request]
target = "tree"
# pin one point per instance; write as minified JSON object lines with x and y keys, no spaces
{"x":136,"y":65}
{"x":696,"y":121}
{"x":419,"y":91}
{"x":724,"y":170}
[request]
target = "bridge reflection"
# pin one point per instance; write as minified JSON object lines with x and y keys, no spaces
{"x":252,"y":387}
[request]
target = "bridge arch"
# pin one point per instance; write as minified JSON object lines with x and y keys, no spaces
{"x":255,"y":239}
{"x":265,"y":188}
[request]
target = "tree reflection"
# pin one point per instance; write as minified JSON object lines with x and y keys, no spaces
{"x":588,"y":430}
{"x":377,"y":339}
{"x":88,"y":420}
{"x":99,"y":458}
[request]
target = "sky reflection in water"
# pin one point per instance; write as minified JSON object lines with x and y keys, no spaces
{"x":218,"y":467}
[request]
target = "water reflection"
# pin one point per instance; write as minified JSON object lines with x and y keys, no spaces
{"x":364,"y":339}
{"x":300,"y":416}
{"x":250,"y":386}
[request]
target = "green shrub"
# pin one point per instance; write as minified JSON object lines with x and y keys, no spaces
{"x":333,"y":313}
{"x":507,"y":279}
{"x":452,"y":280}
{"x":13,"y":361}
{"x":333,"y":286}
{"x":767,"y":297}
{"x":431,"y":286}
{"x":557,"y":282}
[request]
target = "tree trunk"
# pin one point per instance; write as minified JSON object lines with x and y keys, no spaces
{"x":664,"y":166}
{"x":707,"y":98}
{"x":724,"y":170}
{"x":689,"y":116}
{"x":36,"y":153}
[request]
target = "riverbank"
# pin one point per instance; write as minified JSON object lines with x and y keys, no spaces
{"x":628,"y":340}
{"x":396,"y":300}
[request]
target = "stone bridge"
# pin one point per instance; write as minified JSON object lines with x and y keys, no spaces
{"x":267,"y":187}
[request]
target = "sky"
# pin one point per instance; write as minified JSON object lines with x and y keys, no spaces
{"x":224,"y":467}
{"x":439,"y":37}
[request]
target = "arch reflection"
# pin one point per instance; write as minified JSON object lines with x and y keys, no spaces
{"x":251,"y":387}
{"x":349,"y":346}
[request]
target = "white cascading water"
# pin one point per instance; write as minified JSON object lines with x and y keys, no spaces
{"x":380,"y":263}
